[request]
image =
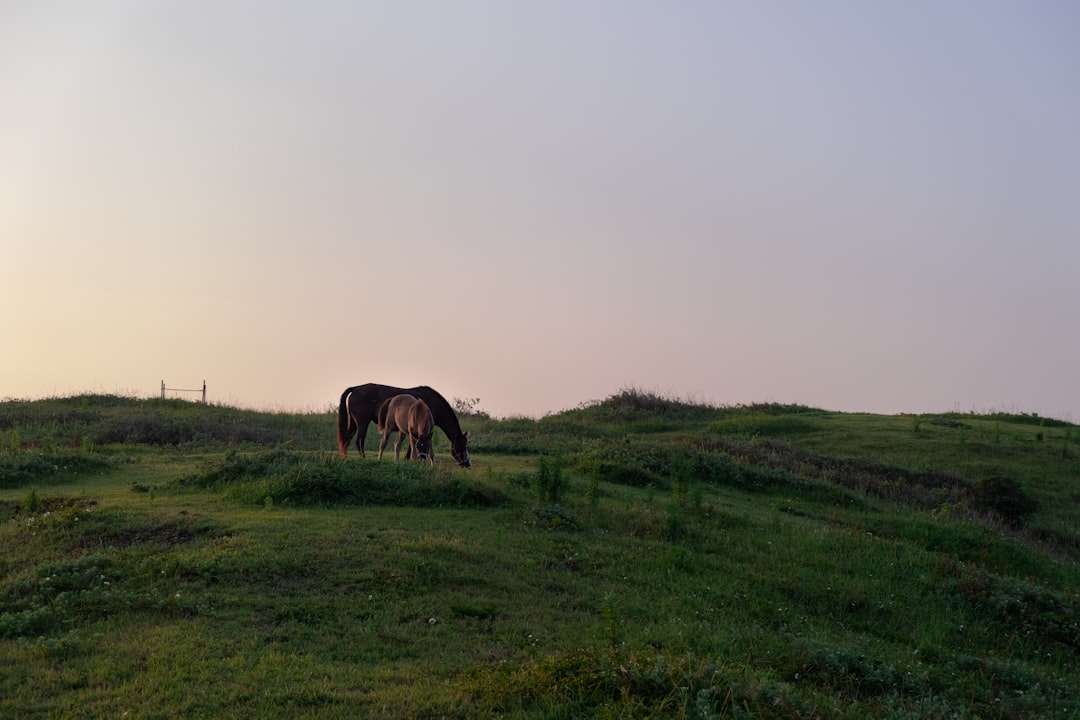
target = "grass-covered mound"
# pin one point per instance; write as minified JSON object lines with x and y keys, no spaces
{"x":636,"y":557}
{"x":291,"y":478}
{"x":111,"y":420}
{"x":18,"y":469}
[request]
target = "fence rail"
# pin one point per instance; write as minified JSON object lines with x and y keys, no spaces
{"x":163,"y":389}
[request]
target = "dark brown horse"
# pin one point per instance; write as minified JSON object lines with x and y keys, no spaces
{"x":408,"y":416}
{"x":360,"y":405}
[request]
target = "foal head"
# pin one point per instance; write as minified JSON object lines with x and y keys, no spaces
{"x":422,"y":446}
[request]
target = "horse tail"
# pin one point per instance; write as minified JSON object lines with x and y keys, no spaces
{"x":381,"y":414}
{"x":344,"y":424}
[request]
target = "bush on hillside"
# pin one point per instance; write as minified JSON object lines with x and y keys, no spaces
{"x":634,"y":404}
{"x":1007,"y":498}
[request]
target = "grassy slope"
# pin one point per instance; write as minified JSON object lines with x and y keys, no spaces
{"x":777,"y":561}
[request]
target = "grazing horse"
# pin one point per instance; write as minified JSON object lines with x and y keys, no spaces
{"x":359,"y":407}
{"x":408,"y":416}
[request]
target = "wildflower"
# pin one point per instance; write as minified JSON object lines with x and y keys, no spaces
{"x":432,"y":621}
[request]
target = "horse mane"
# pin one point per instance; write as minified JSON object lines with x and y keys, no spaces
{"x":440,"y":409}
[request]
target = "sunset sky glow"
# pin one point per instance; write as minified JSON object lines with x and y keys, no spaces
{"x":856,"y":206}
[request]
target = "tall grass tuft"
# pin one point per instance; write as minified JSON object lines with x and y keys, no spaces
{"x":550,"y":481}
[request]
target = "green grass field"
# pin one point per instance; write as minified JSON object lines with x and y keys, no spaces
{"x":637,"y":557}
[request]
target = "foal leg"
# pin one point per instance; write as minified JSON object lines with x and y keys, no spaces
{"x":383,"y":440}
{"x":397,"y":446}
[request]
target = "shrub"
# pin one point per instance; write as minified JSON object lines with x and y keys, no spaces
{"x":633,"y":404}
{"x":1007,"y":498}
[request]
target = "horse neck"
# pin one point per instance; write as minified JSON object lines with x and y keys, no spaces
{"x":441,"y":412}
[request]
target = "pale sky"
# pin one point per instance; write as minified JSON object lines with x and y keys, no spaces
{"x":859,"y":206}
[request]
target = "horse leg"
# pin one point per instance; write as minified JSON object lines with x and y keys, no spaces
{"x":397,"y":446}
{"x":361,"y":434}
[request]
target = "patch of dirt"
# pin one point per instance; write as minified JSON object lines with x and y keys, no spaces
{"x":168,"y":532}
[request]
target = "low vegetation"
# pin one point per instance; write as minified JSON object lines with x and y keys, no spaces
{"x":640,"y":556}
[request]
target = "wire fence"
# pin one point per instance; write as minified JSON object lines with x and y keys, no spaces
{"x":184,"y":390}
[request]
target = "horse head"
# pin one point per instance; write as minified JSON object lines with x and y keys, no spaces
{"x":459,"y":448}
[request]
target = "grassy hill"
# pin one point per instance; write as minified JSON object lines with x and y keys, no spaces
{"x":636,"y":557}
